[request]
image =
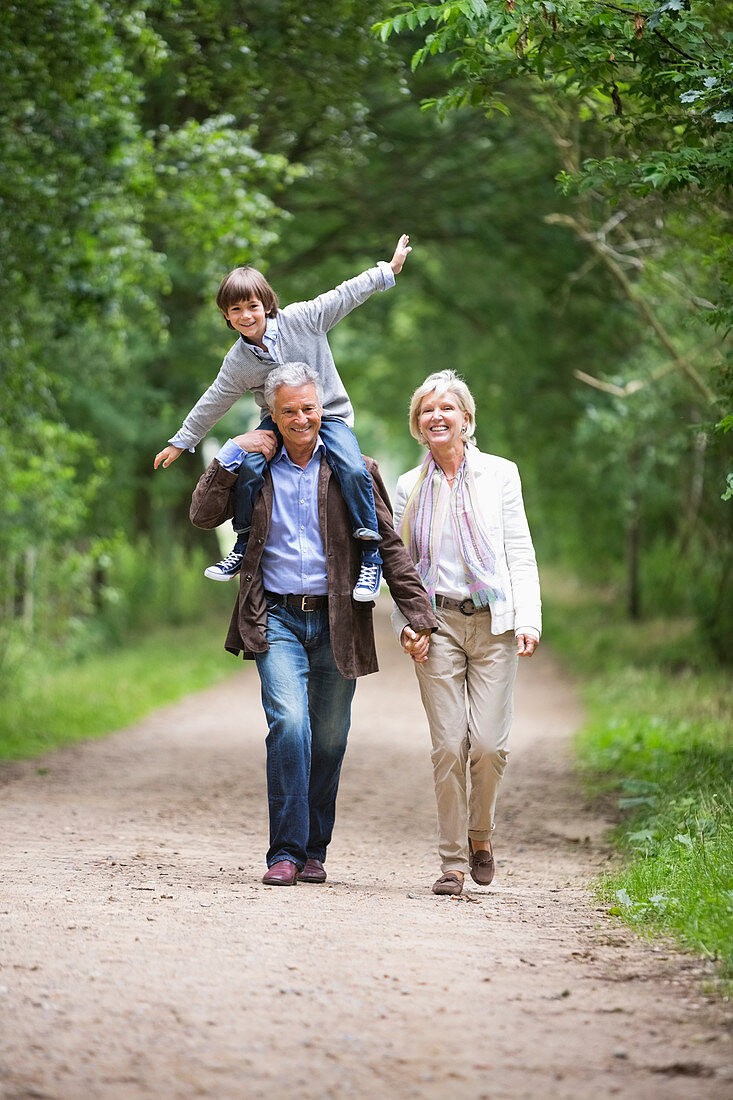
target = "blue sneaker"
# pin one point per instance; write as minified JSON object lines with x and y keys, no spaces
{"x":226,"y":569}
{"x":368,"y":584}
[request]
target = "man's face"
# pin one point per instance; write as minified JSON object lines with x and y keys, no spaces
{"x":249,"y":318}
{"x":298,"y":416}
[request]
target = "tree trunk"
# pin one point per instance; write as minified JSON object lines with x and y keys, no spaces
{"x":633,"y":543}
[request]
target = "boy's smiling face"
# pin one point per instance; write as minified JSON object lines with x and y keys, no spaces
{"x":248,"y":317}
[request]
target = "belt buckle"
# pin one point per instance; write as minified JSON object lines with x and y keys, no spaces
{"x":467,"y":606}
{"x":303,"y":601}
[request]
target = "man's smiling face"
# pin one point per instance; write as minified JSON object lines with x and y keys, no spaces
{"x":297,"y":413}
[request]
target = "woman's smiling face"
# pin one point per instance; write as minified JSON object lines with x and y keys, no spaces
{"x":442,"y":420}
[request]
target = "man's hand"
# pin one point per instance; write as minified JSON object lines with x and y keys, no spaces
{"x":170,"y":454}
{"x":261,"y":440}
{"x":401,"y":252}
{"x":416,"y":643}
{"x":526,"y":645}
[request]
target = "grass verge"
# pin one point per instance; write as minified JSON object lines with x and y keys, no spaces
{"x":47,"y":706}
{"x":659,"y":736}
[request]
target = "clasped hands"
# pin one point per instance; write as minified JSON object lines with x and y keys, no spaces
{"x":416,"y":643}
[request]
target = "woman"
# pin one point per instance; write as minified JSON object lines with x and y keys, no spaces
{"x":462,"y":517}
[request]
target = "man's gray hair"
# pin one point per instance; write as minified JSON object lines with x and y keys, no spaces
{"x":291,"y":374}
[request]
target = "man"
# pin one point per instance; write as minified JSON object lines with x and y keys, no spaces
{"x":296,"y":617}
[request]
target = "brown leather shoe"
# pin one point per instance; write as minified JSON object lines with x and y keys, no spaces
{"x":482,"y":864}
{"x":448,"y":884}
{"x":314,"y":871}
{"x":282,"y":873}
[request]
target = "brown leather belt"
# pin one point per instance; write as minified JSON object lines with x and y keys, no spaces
{"x":304,"y":603}
{"x":466,"y":607}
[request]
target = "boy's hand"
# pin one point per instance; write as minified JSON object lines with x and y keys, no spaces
{"x":260,"y":440}
{"x":401,"y":252}
{"x":170,"y":454}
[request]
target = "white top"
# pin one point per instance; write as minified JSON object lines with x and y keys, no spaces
{"x":451,"y":577}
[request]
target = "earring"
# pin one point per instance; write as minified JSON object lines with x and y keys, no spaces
{"x":463,"y":430}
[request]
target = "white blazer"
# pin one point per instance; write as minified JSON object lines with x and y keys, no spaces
{"x":502,"y":511}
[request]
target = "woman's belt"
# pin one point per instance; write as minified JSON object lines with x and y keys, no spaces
{"x":466,"y":607}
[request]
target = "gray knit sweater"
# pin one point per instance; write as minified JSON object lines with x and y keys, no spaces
{"x":302,"y":329}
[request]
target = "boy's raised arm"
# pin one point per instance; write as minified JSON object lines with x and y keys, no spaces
{"x":322,"y":313}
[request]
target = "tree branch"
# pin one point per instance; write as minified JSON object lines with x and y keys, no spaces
{"x":663,"y":38}
{"x":624,"y":11}
{"x":636,"y":384}
{"x":631,"y":387}
{"x":679,"y":361}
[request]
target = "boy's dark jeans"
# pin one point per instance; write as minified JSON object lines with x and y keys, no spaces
{"x":344,"y":458}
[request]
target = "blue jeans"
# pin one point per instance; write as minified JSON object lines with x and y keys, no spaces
{"x":308,"y":707}
{"x":344,"y":458}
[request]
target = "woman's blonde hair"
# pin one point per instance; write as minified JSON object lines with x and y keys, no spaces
{"x":443,"y":381}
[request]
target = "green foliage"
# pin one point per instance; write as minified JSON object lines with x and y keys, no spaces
{"x":112,"y":232}
{"x":681,"y":879}
{"x":211,"y":177}
{"x":658,"y":735}
{"x":152,"y":146}
{"x":636,"y":102}
{"x":64,"y":463}
{"x":638,"y":65}
{"x":142,"y":585}
{"x":654,"y":81}
{"x":54,"y":703}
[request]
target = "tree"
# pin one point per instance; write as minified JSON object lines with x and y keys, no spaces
{"x":639,"y":103}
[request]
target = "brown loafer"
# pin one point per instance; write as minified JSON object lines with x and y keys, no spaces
{"x":482,"y":864}
{"x":282,"y":873}
{"x":448,"y":884}
{"x":314,"y":871}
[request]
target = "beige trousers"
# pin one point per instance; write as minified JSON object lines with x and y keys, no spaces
{"x":467,"y":689}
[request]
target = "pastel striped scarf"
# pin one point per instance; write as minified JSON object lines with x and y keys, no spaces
{"x":426,"y":512}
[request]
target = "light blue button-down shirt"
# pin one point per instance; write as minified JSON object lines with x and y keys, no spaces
{"x":293,"y":559}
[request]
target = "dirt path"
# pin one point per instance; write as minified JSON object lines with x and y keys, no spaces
{"x":140,"y":956}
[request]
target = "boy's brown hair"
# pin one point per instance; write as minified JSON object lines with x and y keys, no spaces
{"x":244,"y":283}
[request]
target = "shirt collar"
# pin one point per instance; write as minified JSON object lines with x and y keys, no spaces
{"x":269,"y":338}
{"x":283,"y":454}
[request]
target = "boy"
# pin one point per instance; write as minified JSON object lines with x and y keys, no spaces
{"x":269,"y":336}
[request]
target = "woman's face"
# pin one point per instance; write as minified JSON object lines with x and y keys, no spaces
{"x":441,"y":420}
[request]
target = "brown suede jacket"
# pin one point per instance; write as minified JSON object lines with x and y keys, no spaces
{"x":352,"y":634}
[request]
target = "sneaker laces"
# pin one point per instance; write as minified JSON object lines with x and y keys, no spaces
{"x":231,"y":559}
{"x":368,"y":575}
